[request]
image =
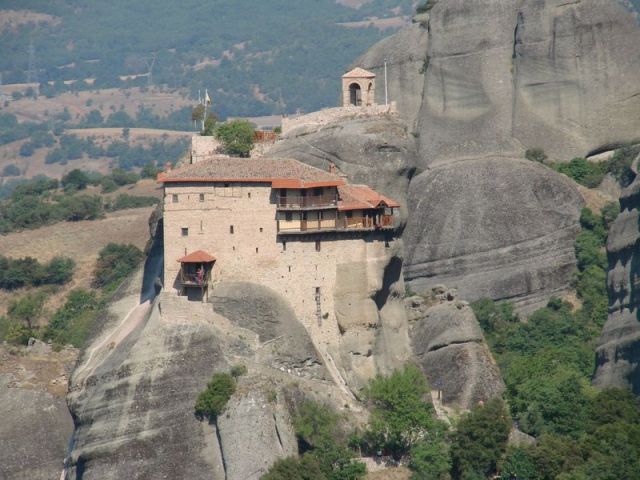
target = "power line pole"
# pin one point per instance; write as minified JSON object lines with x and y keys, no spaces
{"x":386,"y":89}
{"x":32,"y":72}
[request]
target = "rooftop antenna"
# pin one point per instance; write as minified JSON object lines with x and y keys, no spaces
{"x":386,"y":89}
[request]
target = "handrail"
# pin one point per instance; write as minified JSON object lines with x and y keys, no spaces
{"x":307,"y":201}
{"x":341,"y":224}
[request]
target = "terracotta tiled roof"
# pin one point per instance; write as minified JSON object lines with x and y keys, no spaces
{"x":359,"y":73}
{"x":199,"y":256}
{"x":280,"y":172}
{"x":357,"y":197}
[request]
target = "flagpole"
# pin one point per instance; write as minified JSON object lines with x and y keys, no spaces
{"x":386,"y":90}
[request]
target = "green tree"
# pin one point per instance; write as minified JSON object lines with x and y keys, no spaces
{"x":430,"y":458}
{"x":115,"y":262}
{"x":28,"y":309}
{"x":212,"y":401}
{"x":480,"y":441}
{"x":75,"y":180}
{"x":59,"y":270}
{"x":72,"y":322}
{"x":399,"y":417}
{"x":292,"y":468}
{"x":236,"y":137}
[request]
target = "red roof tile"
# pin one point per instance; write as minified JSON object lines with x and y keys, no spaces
{"x":199,"y":256}
{"x":281,"y":172}
{"x":359,"y":197}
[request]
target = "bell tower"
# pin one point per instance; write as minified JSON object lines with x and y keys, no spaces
{"x":358,"y":88}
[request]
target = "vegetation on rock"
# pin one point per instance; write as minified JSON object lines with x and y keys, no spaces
{"x":213,"y":400}
{"x":115,"y":263}
{"x":236,"y":137}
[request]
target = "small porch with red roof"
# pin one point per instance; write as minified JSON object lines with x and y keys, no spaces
{"x":195,"y":274}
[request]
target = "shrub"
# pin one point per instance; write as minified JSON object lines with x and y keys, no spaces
{"x":238,"y":370}
{"x":212,"y":401}
{"x":81,"y":207}
{"x":535,"y":155}
{"x":620,"y":164}
{"x":75,"y":180}
{"x":115,"y":262}
{"x":10,"y":170}
{"x":108,"y":185}
{"x":72,"y":322}
{"x":305,"y":468}
{"x":589,"y":174}
{"x":236,"y":137}
{"x":399,"y":417}
{"x":59,"y":270}
{"x":124,"y":201}
{"x":27,"y":310}
{"x":480,"y":440}
{"x":27,"y":149}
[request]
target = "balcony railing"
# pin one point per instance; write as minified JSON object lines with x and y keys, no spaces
{"x":193,"y":279}
{"x":383,"y":222}
{"x":309,"y":201}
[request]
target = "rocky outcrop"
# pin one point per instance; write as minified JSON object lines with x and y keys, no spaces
{"x":493,"y":77}
{"x":492,"y":228}
{"x":618,"y":350}
{"x":376,"y":151}
{"x":449,"y":347}
{"x":36,"y":424}
{"x":132,"y":396}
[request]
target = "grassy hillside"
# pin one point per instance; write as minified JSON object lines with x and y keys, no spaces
{"x":255,"y":57}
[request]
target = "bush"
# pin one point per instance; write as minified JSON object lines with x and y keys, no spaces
{"x":535,"y":155}
{"x":238,"y":370}
{"x":124,"y":201}
{"x":10,"y":170}
{"x":27,"y":310}
{"x":305,"y":468}
{"x":27,"y":149}
{"x":399,"y":416}
{"x":212,"y":401}
{"x":480,"y":441}
{"x":75,"y":180}
{"x":59,"y":270}
{"x":108,"y":185}
{"x":81,"y":207}
{"x":73,"y":321}
{"x":589,"y":174}
{"x":620,"y":164}
{"x":115,"y":263}
{"x":236,"y":137}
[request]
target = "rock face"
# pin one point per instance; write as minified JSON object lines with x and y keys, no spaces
{"x":36,"y":424}
{"x":495,"y":77}
{"x":449,"y":347}
{"x":492,"y":228}
{"x":618,"y":351}
{"x":376,"y":151}
{"x":133,"y":393}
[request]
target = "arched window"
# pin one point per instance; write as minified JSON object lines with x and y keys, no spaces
{"x":355,"y":95}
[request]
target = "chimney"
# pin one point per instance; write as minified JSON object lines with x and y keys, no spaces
{"x":332,"y":167}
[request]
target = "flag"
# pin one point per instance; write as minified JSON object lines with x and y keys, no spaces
{"x":207,"y":99}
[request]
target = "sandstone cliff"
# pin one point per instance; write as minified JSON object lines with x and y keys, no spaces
{"x":618,"y":351}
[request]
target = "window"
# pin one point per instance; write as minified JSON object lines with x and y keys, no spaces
{"x":249,"y":194}
{"x":174,"y":198}
{"x":288,"y":216}
{"x":185,"y":232}
{"x":202,"y":197}
{"x":317,"y":245}
{"x":289,"y":268}
{"x":284,"y":246}
{"x":256,"y":249}
{"x":260,"y":229}
{"x":231,"y":229}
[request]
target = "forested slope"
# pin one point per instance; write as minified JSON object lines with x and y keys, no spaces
{"x":256,"y":58}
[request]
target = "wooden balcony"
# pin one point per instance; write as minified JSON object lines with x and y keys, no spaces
{"x":352,"y":224}
{"x":311,"y":202}
{"x":189,"y":279}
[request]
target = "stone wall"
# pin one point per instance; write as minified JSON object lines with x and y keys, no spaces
{"x":330,"y":115}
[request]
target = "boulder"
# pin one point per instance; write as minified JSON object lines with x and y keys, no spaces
{"x":497,"y":228}
{"x":449,"y":347}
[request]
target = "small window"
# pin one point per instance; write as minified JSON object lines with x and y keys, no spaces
{"x":174,"y":198}
{"x":249,"y":194}
{"x":289,"y":268}
{"x":317,"y":245}
{"x":284,"y":246}
{"x":185,"y":232}
{"x":260,"y":229}
{"x":202,"y":197}
{"x":288,"y":216}
{"x":256,"y":249}
{"x":234,"y":248}
{"x":231,"y":229}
